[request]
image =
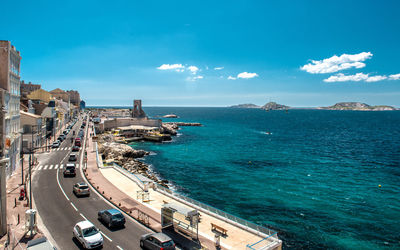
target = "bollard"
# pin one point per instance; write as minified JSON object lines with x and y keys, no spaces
{"x":110,"y":198}
{"x":119,"y":204}
{"x":130,"y":211}
{"x":18,"y":220}
{"x":103,"y":192}
{"x":15,"y":203}
{"x":97,"y":187}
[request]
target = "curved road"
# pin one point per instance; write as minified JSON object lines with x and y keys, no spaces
{"x":60,"y":209}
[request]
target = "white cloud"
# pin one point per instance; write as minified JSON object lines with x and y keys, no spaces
{"x":247,"y":75}
{"x":376,"y":78}
{"x":355,"y":78}
{"x":176,"y":67}
{"x":194,"y":78}
{"x":231,"y":78}
{"x":218,"y":68}
{"x":394,"y":77}
{"x":193,"y":69}
{"x":337,"y":63}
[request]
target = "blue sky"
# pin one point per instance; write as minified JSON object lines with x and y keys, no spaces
{"x":115,"y":51}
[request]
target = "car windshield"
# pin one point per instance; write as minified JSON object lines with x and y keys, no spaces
{"x":168,"y":244}
{"x":118,"y":216}
{"x":89,"y":231}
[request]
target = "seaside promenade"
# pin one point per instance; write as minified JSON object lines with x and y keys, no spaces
{"x":122,"y":188}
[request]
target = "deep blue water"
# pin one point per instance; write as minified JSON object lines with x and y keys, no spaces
{"x":315,"y":179}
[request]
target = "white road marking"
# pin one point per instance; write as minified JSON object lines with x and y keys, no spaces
{"x":45,"y":167}
{"x":56,"y":166}
{"x":61,"y":166}
{"x":62,"y":190}
{"x":120,"y":248}
{"x":40,"y":167}
{"x":83,"y":216}
{"x":51,"y":167}
{"x":72,"y":204}
{"x":108,"y":238}
{"x":77,"y":165}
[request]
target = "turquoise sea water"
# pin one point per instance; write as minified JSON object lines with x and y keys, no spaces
{"x":314,"y":178}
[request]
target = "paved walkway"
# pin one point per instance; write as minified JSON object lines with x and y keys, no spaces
{"x":122,"y":191}
{"x":16,"y":208}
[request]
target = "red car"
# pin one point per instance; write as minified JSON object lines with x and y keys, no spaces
{"x":78,"y":142}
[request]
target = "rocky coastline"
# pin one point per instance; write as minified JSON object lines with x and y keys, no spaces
{"x":128,"y":158}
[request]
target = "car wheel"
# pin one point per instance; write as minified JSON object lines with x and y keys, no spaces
{"x":141,"y":244}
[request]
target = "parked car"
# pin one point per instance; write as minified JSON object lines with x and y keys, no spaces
{"x":72,"y":157}
{"x":81,"y":189}
{"x":111,"y":218}
{"x":60,"y":138}
{"x":40,"y":244}
{"x":88,"y":235}
{"x":55,"y":144}
{"x":70,"y":170}
{"x":156,"y":241}
{"x":75,"y":149}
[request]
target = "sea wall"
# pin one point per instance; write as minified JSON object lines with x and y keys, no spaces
{"x":121,"y":122}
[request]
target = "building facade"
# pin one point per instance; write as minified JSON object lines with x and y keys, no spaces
{"x":74,"y":97}
{"x":10,"y":60}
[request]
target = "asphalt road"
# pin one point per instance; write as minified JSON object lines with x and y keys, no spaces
{"x":60,"y":209}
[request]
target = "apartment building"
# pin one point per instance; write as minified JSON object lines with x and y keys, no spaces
{"x":10,"y":60}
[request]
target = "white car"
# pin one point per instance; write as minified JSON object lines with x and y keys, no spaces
{"x":88,"y":235}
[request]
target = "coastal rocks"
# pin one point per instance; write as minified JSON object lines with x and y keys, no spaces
{"x":138,"y":167}
{"x":170,"y":116}
{"x":169,"y":128}
{"x":195,"y":124}
{"x":112,"y":150}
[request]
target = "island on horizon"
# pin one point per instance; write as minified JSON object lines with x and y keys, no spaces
{"x":356,"y":106}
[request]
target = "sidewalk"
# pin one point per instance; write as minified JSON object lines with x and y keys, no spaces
{"x":125,"y":193}
{"x":15,"y":209}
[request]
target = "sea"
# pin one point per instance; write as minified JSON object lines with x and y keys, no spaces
{"x":322,"y":179}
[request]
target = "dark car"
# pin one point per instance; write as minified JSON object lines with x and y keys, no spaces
{"x":81,"y":189}
{"x":75,"y":149}
{"x":111,"y":218}
{"x":70,"y":170}
{"x":156,"y":241}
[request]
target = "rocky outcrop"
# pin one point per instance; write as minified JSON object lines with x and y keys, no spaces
{"x":246,"y":106}
{"x":117,"y":152}
{"x":358,"y":106}
{"x":169,"y":128}
{"x":170,"y":116}
{"x":274,"y":106}
{"x":195,"y":124}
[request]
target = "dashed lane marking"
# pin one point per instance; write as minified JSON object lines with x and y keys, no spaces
{"x":72,"y":204}
{"x":82,"y":215}
{"x":108,"y":238}
{"x":77,"y":165}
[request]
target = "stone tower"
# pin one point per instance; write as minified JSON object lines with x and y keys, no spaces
{"x":137,"y":111}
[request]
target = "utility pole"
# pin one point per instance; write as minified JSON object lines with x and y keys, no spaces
{"x":30,"y":182}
